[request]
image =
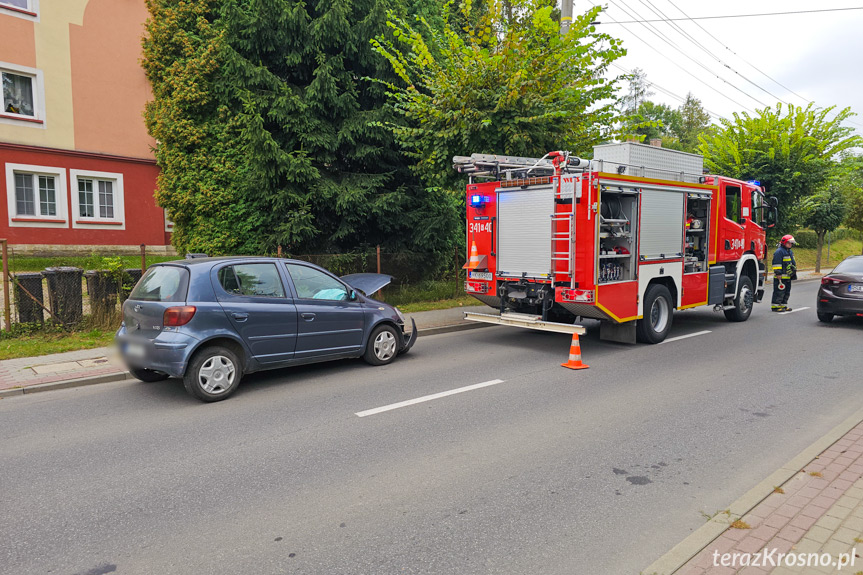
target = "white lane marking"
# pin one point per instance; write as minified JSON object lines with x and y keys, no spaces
{"x":669,"y":340}
{"x":793,"y":310}
{"x":427,"y":398}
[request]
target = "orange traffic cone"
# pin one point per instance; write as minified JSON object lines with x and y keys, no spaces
{"x":575,"y":355}
{"x":473,"y":262}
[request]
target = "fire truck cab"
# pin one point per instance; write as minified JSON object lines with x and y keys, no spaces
{"x":625,"y":238}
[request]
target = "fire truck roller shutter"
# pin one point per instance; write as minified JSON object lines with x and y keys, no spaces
{"x":524,"y":231}
{"x":661,"y":224}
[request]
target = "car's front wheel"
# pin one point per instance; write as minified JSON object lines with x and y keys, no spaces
{"x":213,"y":374}
{"x":383,"y":345}
{"x":147,"y":375}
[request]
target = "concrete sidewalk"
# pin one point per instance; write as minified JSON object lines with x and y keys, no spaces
{"x":103,"y":364}
{"x":805,"y":518}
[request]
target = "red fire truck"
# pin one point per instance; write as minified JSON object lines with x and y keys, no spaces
{"x":624,"y":238}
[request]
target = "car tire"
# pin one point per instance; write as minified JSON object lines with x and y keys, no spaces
{"x":383,"y":345}
{"x":658,"y":314}
{"x":825,"y":317}
{"x":213,"y":374}
{"x":743,"y":303}
{"x":147,"y":375}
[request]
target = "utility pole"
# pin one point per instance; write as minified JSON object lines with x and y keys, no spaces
{"x":565,"y":16}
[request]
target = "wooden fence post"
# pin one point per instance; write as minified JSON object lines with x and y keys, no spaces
{"x":7,"y":308}
{"x":379,"y":258}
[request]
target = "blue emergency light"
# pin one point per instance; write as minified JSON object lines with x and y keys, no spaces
{"x":477,"y":200}
{"x":754,"y":182}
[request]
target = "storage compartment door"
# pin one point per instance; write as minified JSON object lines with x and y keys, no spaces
{"x":524,"y":231}
{"x":661,"y":224}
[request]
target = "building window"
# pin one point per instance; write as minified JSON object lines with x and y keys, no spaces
{"x":95,"y":198}
{"x":99,"y":199}
{"x":18,"y":94}
{"x":36,"y":195}
{"x":23,"y":94}
{"x":22,"y":4}
{"x":23,"y":8}
{"x":28,"y":203}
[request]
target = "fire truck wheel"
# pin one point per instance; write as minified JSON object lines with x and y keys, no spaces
{"x":743,"y":302}
{"x":656,"y":323}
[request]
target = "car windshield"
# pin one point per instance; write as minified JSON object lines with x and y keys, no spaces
{"x":850,"y":266}
{"x":162,"y":283}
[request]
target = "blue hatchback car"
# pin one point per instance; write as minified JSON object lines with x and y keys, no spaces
{"x":213,"y":320}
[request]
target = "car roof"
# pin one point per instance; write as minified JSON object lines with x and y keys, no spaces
{"x":198,"y":261}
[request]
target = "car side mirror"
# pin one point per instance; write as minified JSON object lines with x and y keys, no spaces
{"x":352,"y":296}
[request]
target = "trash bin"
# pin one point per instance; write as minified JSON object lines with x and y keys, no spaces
{"x":130,"y":278}
{"x":28,"y":310}
{"x":102,"y":288}
{"x":65,"y":294}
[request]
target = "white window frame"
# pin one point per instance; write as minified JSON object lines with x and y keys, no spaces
{"x":118,"y":222}
{"x":169,"y":225}
{"x":31,"y":12}
{"x":61,"y":220}
{"x":38,"y":120}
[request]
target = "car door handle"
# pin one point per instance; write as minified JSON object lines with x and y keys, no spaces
{"x":240,"y":316}
{"x":308,"y":316}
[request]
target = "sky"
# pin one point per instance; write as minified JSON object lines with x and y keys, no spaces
{"x":749,"y":63}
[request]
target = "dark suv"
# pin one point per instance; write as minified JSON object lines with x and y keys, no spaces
{"x":213,"y":320}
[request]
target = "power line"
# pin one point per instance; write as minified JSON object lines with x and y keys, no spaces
{"x":707,"y":51}
{"x":665,"y":39}
{"x":738,"y":15}
{"x":682,"y":68}
{"x":739,"y":56}
{"x":667,"y":92}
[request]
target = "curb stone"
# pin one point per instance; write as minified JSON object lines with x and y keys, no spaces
{"x":681,"y":553}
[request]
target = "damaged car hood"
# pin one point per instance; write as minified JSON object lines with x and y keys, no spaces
{"x":367,"y":283}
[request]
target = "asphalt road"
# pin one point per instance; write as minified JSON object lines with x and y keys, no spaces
{"x":551,"y":471}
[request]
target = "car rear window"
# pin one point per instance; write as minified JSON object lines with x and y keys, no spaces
{"x":162,"y":283}
{"x":850,"y":266}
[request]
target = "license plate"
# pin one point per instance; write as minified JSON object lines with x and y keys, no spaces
{"x":856,"y":288}
{"x":480,"y":276}
{"x":135,"y":350}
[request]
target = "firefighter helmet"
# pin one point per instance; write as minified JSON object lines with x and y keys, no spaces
{"x":789,"y":239}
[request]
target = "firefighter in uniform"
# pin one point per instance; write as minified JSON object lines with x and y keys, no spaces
{"x":784,"y":270}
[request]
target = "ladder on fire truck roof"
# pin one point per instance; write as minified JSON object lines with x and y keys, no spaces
{"x":494,"y":165}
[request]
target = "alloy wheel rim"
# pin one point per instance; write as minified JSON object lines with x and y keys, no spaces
{"x":217,"y":374}
{"x":385,"y":345}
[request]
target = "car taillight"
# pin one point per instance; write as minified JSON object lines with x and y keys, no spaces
{"x":828,"y":281}
{"x":177,"y":316}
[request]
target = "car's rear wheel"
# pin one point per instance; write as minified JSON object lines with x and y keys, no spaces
{"x":383,"y":345}
{"x":147,"y":375}
{"x":213,"y":374}
{"x":825,"y":317}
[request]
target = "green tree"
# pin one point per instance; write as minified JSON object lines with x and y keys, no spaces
{"x":823,"y":212}
{"x":489,"y":83}
{"x":851,"y":184}
{"x":691,"y":121}
{"x":270,"y":132}
{"x":650,"y":121}
{"x":792,"y":151}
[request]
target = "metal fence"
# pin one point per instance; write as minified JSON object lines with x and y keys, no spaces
{"x":74,"y":297}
